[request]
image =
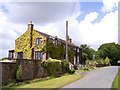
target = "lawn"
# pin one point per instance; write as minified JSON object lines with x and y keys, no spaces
{"x":51,"y":83}
{"x":116,"y":82}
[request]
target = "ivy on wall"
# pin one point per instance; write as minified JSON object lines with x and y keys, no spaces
{"x":43,"y":41}
{"x":58,"y":52}
{"x":55,"y":52}
{"x":71,"y":55}
{"x":22,"y":44}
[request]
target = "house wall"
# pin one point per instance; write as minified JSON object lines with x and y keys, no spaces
{"x":22,"y":44}
{"x":43,"y":41}
{"x":58,"y":52}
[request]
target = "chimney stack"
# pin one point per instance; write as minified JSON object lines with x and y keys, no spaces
{"x":30,"y":26}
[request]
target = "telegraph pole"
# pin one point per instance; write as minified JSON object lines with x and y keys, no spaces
{"x":67,"y":40}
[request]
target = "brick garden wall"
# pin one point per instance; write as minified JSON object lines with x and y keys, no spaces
{"x":31,"y":69}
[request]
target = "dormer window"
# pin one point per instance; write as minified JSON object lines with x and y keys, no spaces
{"x":38,"y":41}
{"x":77,"y":49}
{"x":56,"y":41}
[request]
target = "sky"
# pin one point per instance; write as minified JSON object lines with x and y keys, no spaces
{"x":91,"y":23}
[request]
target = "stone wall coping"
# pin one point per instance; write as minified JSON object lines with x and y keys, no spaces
{"x":8,"y":62}
{"x":27,"y":60}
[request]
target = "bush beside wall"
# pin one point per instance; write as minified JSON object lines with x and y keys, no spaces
{"x":18,"y":76}
{"x":55,"y":67}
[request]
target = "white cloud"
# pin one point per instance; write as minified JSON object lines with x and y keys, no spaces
{"x":9,"y":31}
{"x":91,"y":17}
{"x":102,"y":32}
{"x":109,"y":5}
{"x":41,"y":12}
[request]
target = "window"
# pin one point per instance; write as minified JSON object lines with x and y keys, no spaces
{"x":20,"y":55}
{"x":38,"y":55}
{"x":56,"y":41}
{"x":10,"y":55}
{"x":38,"y":41}
{"x":78,"y":59}
{"x":64,"y":46}
{"x":77,"y":49}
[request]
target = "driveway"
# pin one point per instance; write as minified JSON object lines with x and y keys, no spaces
{"x":99,"y":78}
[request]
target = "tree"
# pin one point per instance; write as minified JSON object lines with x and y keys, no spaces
{"x":87,"y":52}
{"x":110,"y":50}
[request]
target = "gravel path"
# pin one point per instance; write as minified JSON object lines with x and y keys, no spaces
{"x":99,"y":78}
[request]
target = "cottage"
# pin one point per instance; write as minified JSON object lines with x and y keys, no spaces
{"x":36,"y":45}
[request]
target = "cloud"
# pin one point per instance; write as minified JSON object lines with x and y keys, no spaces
{"x":9,"y":31}
{"x":109,"y":5}
{"x":41,"y":12}
{"x":102,"y":32}
{"x":91,"y":17}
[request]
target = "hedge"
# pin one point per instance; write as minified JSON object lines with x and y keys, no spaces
{"x":55,"y":67}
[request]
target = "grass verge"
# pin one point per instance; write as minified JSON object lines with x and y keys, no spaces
{"x":116,"y":82}
{"x":50,"y":83}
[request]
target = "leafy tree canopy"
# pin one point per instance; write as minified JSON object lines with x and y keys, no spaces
{"x":87,"y":51}
{"x":110,"y":50}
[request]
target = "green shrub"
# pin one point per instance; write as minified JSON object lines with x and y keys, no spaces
{"x":71,"y":71}
{"x":19,"y":74}
{"x":85,"y":68}
{"x":65,"y":66}
{"x":53,"y":66}
{"x":90,"y":64}
{"x":100,"y":61}
{"x":107,"y":61}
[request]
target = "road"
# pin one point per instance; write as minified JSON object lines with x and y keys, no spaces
{"x":99,"y":78}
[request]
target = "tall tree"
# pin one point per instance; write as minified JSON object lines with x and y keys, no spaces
{"x":110,"y":50}
{"x":87,"y":51}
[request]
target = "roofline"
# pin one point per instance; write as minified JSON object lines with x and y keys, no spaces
{"x":48,"y":36}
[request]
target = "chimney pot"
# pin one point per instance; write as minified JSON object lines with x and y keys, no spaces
{"x":30,"y":21}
